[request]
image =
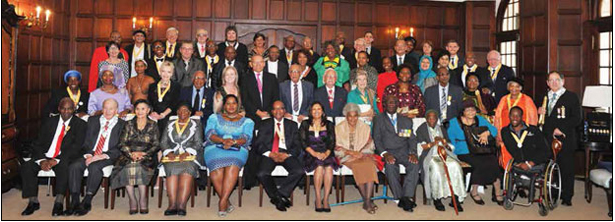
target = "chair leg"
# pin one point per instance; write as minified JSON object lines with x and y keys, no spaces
{"x":67,"y":198}
{"x":590,"y":193}
{"x":51,"y":181}
{"x":123,"y":193}
{"x":609,"y":198}
{"x":208,"y":191}
{"x":105,"y":183}
{"x":160,"y":188}
{"x":307,"y":190}
{"x":113,"y":199}
{"x":337,"y":189}
{"x":386,"y":183}
{"x":424,"y":196}
{"x":192,"y":194}
{"x":196,"y":189}
{"x":240,"y":192}
{"x":260,"y":195}
{"x":152,"y":190}
{"x":292,"y":202}
{"x":343,"y":187}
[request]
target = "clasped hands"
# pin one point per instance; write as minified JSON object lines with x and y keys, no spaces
{"x":390,"y":159}
{"x":89,"y":158}
{"x":278,"y":157}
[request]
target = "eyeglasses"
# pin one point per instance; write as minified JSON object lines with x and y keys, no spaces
{"x":201,"y":35}
{"x":158,"y":46}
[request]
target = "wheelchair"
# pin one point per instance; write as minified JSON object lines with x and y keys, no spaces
{"x":546,"y":178}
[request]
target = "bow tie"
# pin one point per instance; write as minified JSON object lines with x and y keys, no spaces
{"x":159,"y":60}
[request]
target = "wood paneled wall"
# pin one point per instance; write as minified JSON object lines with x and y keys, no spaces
{"x":552,"y":39}
{"x":42,"y":59}
{"x":479,"y":29}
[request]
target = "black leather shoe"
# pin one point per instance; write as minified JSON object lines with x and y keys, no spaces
{"x":478,"y":201}
{"x":566,"y":203}
{"x":133,"y":212}
{"x":403,"y":203}
{"x":58,"y":210}
{"x":170,"y":212}
{"x":411,"y":205}
{"x":70,"y":211}
{"x":326,"y":210}
{"x":31,"y":208}
{"x":278,"y":203}
{"x":286,"y":202}
{"x":181,"y":213}
{"x":438,"y":204}
{"x":459,"y":208}
{"x":143,"y":211}
{"x":83,"y":209}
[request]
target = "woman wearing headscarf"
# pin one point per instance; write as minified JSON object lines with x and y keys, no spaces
{"x":107,"y":90}
{"x":426,"y":76}
{"x":72,"y":78}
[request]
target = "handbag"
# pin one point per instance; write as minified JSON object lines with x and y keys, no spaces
{"x":475,"y":146}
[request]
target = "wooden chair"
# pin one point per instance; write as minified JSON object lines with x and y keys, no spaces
{"x":239,"y":188}
{"x":161,"y":177}
{"x":278,"y":171}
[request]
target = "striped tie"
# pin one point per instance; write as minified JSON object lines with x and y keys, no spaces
{"x":295,"y":98}
{"x":101,"y":141}
{"x":443,"y":103}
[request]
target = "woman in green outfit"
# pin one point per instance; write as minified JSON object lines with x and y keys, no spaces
{"x":332,"y":60}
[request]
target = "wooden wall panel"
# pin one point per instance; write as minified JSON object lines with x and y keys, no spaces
{"x":329,"y":11}
{"x":222,"y":8}
{"x":124,"y":7}
{"x":259,"y":9}
{"x":311,"y":11}
{"x":103,"y":7}
{"x":276,"y":11}
{"x":144,"y":8}
{"x":241,"y":8}
{"x":479,"y":30}
{"x":203,"y":8}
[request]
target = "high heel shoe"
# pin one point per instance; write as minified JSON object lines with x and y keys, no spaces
{"x":222,"y":213}
{"x":477,"y":201}
{"x":133,"y":212}
{"x":170,"y":212}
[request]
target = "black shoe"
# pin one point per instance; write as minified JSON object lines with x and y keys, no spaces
{"x":181,"y":213}
{"x":477,"y":201}
{"x":459,"y":208}
{"x":58,"y":210}
{"x":402,"y":203}
{"x":522,"y":193}
{"x":71,"y":210}
{"x":133,"y":212}
{"x":326,"y":210}
{"x":83,"y":209}
{"x":412,"y":205}
{"x":438,"y":204}
{"x":170,"y":212}
{"x":279,"y":203}
{"x":286,"y":202}
{"x":202,"y":187}
{"x":566,"y":203}
{"x":143,"y":211}
{"x":31,"y":208}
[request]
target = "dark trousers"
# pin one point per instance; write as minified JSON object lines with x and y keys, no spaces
{"x":565,"y":160}
{"x":295,"y":173}
{"x":29,"y":177}
{"x":532,"y":173}
{"x":95,"y":175}
{"x":410,"y":181}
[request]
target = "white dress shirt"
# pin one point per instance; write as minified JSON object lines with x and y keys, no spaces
{"x":139,"y":56}
{"x":272,"y":67}
{"x":400,"y":58}
{"x":281,"y":141}
{"x":101,"y":132}
{"x":204,"y":47}
{"x":52,"y":147}
{"x":226,"y":63}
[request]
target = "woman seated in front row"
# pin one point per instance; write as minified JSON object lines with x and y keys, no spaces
{"x":430,"y":135}
{"x":355,"y":149}
{"x":106,"y":91}
{"x":182,"y":151}
{"x":228,"y":137}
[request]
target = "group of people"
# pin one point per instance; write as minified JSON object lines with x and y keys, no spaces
{"x":181,"y":108}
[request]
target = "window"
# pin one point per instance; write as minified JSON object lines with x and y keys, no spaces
{"x":605,"y":8}
{"x":606,"y":58}
{"x":510,"y":20}
{"x":508,"y":50}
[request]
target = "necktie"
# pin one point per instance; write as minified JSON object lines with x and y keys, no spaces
{"x":552,"y":102}
{"x":276,"y":140}
{"x":196,"y":105}
{"x":229,"y":63}
{"x":443,"y":103}
{"x":453,"y":62}
{"x":399,"y":61}
{"x":159,"y":60}
{"x":492,"y":72}
{"x":170,"y":52}
{"x":187,"y":65}
{"x":101,"y":141}
{"x":394,"y":122}
{"x":295,"y":98}
{"x":331,"y":98}
{"x":259,"y":82}
{"x":202,"y":49}
{"x":59,"y":141}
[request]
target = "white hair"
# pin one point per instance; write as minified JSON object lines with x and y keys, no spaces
{"x":172,"y":29}
{"x":497,"y":54}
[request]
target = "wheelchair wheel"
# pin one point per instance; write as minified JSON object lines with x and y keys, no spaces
{"x":542,"y":209}
{"x":508,"y":204}
{"x":552,"y":187}
{"x":510,"y":189}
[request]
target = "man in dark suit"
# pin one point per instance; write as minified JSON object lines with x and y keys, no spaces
{"x":375,"y":56}
{"x":56,"y":146}
{"x":138,"y":50}
{"x":332,"y":97}
{"x":200,"y":45}
{"x":199,"y":96}
{"x":396,"y":143}
{"x":312,"y":55}
{"x":401,"y":57}
{"x":499,"y":74}
{"x":275,"y":65}
{"x":340,"y":40}
{"x":258,"y":91}
{"x":229,"y":60}
{"x":231,"y":40}
{"x":99,"y":150}
{"x":211,"y":61}
{"x":156,"y":61}
{"x":297,"y":95}
{"x":470,"y":66}
{"x":456,"y":60}
{"x":287,"y":55}
{"x":563,"y":115}
{"x":171,"y":45}
{"x":279,"y":143}
{"x":446,"y":99}
{"x":186,"y":66}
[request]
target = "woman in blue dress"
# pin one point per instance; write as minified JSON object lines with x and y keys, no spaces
{"x":228,"y":137}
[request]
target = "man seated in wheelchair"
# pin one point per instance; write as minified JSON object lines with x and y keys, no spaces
{"x":528,"y":148}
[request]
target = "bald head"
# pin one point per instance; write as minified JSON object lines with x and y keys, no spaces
{"x":109,"y":108}
{"x":66,"y":108}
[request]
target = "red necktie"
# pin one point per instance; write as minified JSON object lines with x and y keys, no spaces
{"x":101,"y":141}
{"x":276,"y":141}
{"x":202,"y":49}
{"x":59,"y":143}
{"x":331,"y":98}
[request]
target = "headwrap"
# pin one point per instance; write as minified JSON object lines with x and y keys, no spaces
{"x":425,"y":73}
{"x":517,"y":80}
{"x":72,"y":73}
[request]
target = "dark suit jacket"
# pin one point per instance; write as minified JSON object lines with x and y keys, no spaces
{"x":217,"y":75}
{"x":147,"y":53}
{"x":282,"y":70}
{"x":499,"y":85}
{"x":283,"y":56}
{"x":339,"y":102}
{"x":387,"y":139}
{"x":250,"y":96}
{"x":461,"y":61}
{"x":242,"y":52}
{"x":346,"y":52}
{"x":186,"y":96}
{"x":534,"y":147}
{"x":286,"y":95}
{"x":567,"y":122}
{"x":313,"y":58}
{"x":264,"y":140}
{"x":375,"y":60}
{"x":54,"y":101}
{"x":151,"y":68}
{"x":183,"y":77}
{"x":196,"y":53}
{"x":71,"y":143}
{"x":482,"y":73}
{"x":432,"y":100}
{"x":175,"y":54}
{"x":408,"y":60}
{"x":93,"y":129}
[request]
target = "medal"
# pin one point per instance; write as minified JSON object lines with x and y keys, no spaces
{"x":448,"y":100}
{"x":73,"y":97}
{"x":519,"y":141}
{"x":180,"y":130}
{"x":161,"y":94}
{"x":203,"y":104}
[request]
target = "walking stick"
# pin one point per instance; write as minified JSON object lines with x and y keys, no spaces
{"x":442,"y":155}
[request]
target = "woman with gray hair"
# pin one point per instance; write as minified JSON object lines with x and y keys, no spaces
{"x":363,"y":97}
{"x":355,"y":149}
